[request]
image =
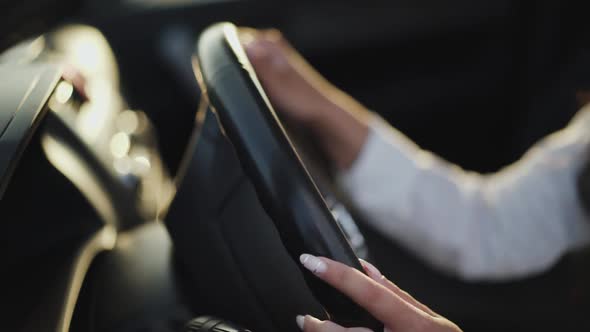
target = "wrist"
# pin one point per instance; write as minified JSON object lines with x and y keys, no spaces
{"x":341,"y":132}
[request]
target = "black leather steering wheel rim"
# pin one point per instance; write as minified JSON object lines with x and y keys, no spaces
{"x":264,"y":149}
{"x":283,"y":185}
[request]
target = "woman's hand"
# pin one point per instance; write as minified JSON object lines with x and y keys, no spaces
{"x":290,"y":82}
{"x":396,"y":309}
{"x":302,"y":95}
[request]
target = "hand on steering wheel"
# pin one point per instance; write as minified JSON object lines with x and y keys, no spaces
{"x":396,"y":309}
{"x":292,"y":200}
{"x":303,"y":95}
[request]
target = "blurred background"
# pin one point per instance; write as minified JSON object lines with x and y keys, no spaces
{"x":475,"y":82}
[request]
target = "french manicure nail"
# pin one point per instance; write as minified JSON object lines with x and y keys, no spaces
{"x":300,"y":320}
{"x":371,"y":270}
{"x":314,"y":264}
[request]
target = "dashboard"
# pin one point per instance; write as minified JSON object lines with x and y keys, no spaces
{"x":78,"y":170}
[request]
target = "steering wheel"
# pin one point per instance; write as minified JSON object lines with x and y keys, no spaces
{"x":269,"y":161}
{"x":284,"y":186}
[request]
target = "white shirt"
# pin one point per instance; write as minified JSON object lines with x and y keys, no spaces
{"x":514,"y":223}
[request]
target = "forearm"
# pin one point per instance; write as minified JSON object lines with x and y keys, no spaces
{"x":341,"y":128}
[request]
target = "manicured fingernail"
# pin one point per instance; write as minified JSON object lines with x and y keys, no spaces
{"x":300,"y":321}
{"x":371,"y":270}
{"x":314,"y":264}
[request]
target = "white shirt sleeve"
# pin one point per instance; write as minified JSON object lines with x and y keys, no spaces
{"x":510,"y":224}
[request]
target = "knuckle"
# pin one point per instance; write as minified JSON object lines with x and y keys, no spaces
{"x":278,"y":33}
{"x":275,"y":35}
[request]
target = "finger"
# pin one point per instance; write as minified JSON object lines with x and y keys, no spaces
{"x":376,"y":275}
{"x":272,"y":69}
{"x":273,"y":36}
{"x":270,"y":41}
{"x":269,"y":35}
{"x":273,"y":57}
{"x":248,"y":35}
{"x":407,"y":297}
{"x":76,"y":78}
{"x":267,"y":55}
{"x":312,"y":324}
{"x":383,"y":304}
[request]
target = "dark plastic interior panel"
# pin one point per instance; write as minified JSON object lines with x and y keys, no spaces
{"x":23,"y":94}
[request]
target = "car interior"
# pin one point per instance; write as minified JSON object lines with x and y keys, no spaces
{"x":167,"y":195}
